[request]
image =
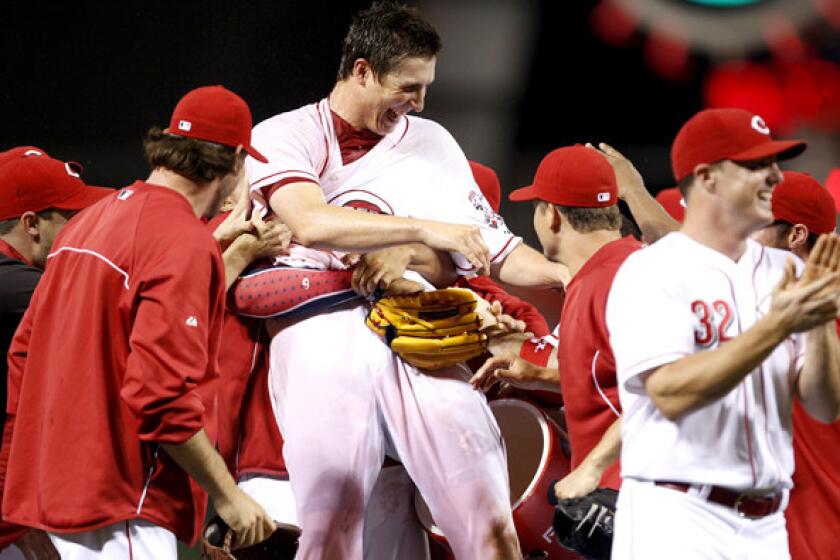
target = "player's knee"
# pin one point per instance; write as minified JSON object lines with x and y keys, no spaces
{"x":503,"y":540}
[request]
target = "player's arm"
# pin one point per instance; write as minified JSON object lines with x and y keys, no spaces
{"x":314,"y":223}
{"x":203,"y":463}
{"x":653,"y":220}
{"x":266,"y":239}
{"x":527,"y":267}
{"x":587,"y":475}
{"x":518,"y":372}
{"x":818,"y":385}
{"x":699,"y":379}
{"x":507,"y":365}
{"x":378,"y":269}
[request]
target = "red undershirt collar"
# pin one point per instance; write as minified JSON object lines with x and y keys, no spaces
{"x":11,"y":252}
{"x":353,"y":142}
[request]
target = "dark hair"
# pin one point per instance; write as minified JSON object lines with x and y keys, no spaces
{"x":783,"y":228}
{"x":197,"y":160}
{"x":384,"y":35}
{"x":586,"y":220}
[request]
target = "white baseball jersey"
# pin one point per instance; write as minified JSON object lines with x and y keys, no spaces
{"x":418,"y":156}
{"x":679,"y":297}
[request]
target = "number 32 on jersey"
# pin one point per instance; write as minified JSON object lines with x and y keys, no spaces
{"x":714,"y":318}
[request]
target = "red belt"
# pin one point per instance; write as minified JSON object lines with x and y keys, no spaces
{"x":745,"y":503}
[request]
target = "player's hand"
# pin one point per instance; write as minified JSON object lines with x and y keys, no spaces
{"x":36,"y":545}
{"x":510,"y":369}
{"x":462,"y":239}
{"x":800,"y":305}
{"x":627,"y":176}
{"x":237,"y":221}
{"x":494,"y":321}
{"x":378,"y":269}
{"x":578,"y":483}
{"x":823,"y":260}
{"x":269,"y":238}
{"x":249,"y":521}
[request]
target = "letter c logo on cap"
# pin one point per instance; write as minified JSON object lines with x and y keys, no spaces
{"x":759,"y":125}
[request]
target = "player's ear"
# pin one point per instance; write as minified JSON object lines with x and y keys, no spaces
{"x":797,"y":237}
{"x":556,"y":218}
{"x":704,"y":177}
{"x":31,"y":224}
{"x":362,"y":70}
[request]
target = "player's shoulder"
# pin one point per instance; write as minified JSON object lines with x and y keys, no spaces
{"x":428,"y":129}
{"x":306,"y":118}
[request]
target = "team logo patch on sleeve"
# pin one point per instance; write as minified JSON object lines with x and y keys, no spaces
{"x":191,"y":321}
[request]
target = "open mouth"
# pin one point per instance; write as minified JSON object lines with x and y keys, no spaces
{"x":765,"y":195}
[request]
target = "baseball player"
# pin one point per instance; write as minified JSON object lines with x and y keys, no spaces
{"x":38,"y":194}
{"x":112,"y":373}
{"x":714,"y":336}
{"x":358,"y":148}
{"x":577,"y":221}
{"x":803,"y":210}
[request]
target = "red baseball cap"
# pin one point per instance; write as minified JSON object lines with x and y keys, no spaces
{"x":488,"y":182}
{"x":800,"y":199}
{"x":215,"y":114}
{"x":572,"y":176}
{"x":833,"y":186}
{"x":715,"y":135}
{"x":31,"y":181}
{"x":673,"y":203}
{"x":18,"y":151}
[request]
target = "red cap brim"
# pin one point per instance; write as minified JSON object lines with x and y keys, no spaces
{"x":255,"y":154}
{"x":524,"y":193}
{"x":782,"y":149}
{"x":85,"y":197}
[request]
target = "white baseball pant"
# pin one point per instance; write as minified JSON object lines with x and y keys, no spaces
{"x":655,"y":522}
{"x":134,"y":539}
{"x":342,"y":399}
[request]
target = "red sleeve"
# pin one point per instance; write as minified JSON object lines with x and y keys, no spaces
{"x":512,"y":305}
{"x":170,"y":356}
{"x":269,"y":190}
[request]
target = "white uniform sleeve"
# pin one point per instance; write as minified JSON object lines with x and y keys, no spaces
{"x":649,"y":321}
{"x":295,"y":146}
{"x":465,"y":204}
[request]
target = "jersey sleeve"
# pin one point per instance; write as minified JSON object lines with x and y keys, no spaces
{"x":649,"y":322}
{"x":296,"y":148}
{"x":464,"y":202}
{"x":170,"y":343}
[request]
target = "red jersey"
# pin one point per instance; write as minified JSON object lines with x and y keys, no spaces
{"x":249,"y":439}
{"x":813,"y":514}
{"x":116,"y":354}
{"x":587,"y":366}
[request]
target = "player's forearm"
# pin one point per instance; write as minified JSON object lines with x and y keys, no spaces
{"x":511,"y":344}
{"x":435,"y":266}
{"x":236,"y":258}
{"x":652,"y":219}
{"x":607,"y":450}
{"x":819,"y":382}
{"x":527,"y":267}
{"x":699,"y":379}
{"x":204,"y":464}
{"x":344,"y":229}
